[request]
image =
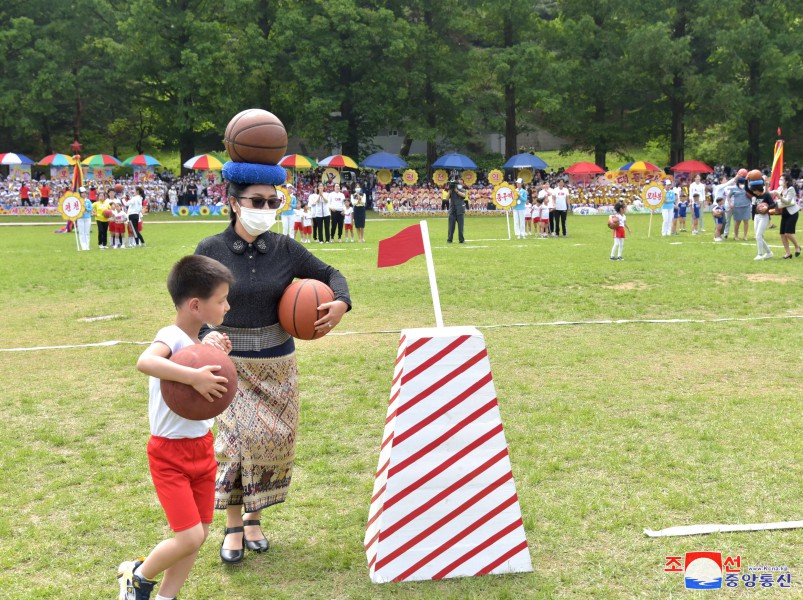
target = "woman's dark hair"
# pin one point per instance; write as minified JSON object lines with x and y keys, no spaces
{"x":141,"y":191}
{"x":234,"y":189}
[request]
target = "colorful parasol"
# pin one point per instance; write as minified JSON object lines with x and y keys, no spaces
{"x":338,"y":161}
{"x":691,"y":166}
{"x":141,"y":160}
{"x":57,"y":160}
{"x":639,"y":165}
{"x":204,"y":162}
{"x":297,"y":161}
{"x":101,"y":160}
{"x":9,"y":158}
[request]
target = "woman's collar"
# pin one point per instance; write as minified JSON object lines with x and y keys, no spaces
{"x":238,"y":245}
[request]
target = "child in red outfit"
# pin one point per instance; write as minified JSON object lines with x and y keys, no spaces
{"x":180,"y":453}
{"x":619,"y":232}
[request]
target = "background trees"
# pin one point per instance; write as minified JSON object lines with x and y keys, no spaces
{"x":712,"y":79}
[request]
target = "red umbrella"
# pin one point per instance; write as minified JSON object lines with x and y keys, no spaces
{"x":584,"y":168}
{"x":691,"y":166}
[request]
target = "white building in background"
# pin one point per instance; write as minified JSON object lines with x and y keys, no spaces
{"x":392,"y":140}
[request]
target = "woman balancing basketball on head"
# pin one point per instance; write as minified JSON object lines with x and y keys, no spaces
{"x":255,"y":445}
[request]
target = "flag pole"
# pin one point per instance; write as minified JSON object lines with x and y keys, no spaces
{"x":433,"y":285}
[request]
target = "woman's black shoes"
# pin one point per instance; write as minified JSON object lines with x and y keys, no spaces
{"x":232,"y":557}
{"x":255,"y":545}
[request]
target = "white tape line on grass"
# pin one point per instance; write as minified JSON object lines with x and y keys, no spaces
{"x":500,"y":326}
{"x":715,"y":528}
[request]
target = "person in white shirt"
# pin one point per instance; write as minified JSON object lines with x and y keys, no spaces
{"x":336,"y":207}
{"x":134,"y":208}
{"x":561,"y":196}
{"x":318,"y":201}
{"x":697,"y":187}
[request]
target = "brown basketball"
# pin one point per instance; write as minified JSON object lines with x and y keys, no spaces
{"x":298,"y":308}
{"x":762,"y":208}
{"x":613,"y":222}
{"x":118,"y":188}
{"x":755,"y":175}
{"x":255,"y":136}
{"x":183,"y":399}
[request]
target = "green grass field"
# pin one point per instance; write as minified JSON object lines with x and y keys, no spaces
{"x":611,"y":427}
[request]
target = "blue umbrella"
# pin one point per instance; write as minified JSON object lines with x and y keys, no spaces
{"x":525,"y":161}
{"x":454,"y":161}
{"x":383,"y":160}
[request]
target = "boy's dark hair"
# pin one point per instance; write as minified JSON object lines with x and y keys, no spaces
{"x":196,"y":276}
{"x":618,"y":206}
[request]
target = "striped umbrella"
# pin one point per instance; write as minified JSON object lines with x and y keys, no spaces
{"x":141,"y":160}
{"x":9,"y":158}
{"x":204,"y":162}
{"x":57,"y":160}
{"x":101,"y":160}
{"x":338,"y":161}
{"x":297,"y":161}
{"x":639,"y":165}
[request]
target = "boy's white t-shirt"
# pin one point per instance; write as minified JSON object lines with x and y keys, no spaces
{"x":164,"y":422}
{"x":348,"y":215}
{"x":545,"y":211}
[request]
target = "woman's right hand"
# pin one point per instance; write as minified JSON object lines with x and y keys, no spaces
{"x":219,"y":340}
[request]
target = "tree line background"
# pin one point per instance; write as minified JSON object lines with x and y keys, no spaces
{"x":705,"y":79}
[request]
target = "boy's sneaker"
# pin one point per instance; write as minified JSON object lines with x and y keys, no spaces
{"x":133,"y":587}
{"x":614,"y":258}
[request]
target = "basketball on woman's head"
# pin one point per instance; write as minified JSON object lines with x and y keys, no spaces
{"x":183,"y":399}
{"x":255,"y":136}
{"x":298,"y":308}
{"x":755,"y":175}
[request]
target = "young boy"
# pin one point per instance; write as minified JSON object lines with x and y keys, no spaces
{"x":719,"y":218}
{"x":180,"y":454}
{"x":348,"y":221}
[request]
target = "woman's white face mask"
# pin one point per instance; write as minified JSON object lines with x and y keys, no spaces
{"x":256,"y":221}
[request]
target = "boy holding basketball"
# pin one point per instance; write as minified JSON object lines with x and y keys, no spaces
{"x":180,"y":454}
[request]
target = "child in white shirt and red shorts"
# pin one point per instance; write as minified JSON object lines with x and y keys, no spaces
{"x":181,"y":456}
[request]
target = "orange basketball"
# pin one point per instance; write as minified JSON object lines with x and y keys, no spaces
{"x":613,"y":222}
{"x":255,"y":136}
{"x":183,"y":399}
{"x":118,"y":188}
{"x":755,"y":175}
{"x":298,"y":308}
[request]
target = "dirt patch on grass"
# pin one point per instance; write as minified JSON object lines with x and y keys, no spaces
{"x":628,"y":285}
{"x":770,"y":277}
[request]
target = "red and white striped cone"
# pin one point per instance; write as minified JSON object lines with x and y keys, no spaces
{"x":444,"y":501}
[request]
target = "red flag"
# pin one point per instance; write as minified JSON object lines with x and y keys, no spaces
{"x":401,"y":247}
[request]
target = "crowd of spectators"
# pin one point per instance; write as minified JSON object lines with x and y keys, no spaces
{"x":165,"y":192}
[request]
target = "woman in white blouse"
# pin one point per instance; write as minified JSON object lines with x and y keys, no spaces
{"x":786,"y":198}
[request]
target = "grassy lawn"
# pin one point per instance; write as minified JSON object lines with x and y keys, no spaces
{"x":611,"y":427}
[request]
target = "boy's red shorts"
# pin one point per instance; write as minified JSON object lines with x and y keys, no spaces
{"x":183,"y":472}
